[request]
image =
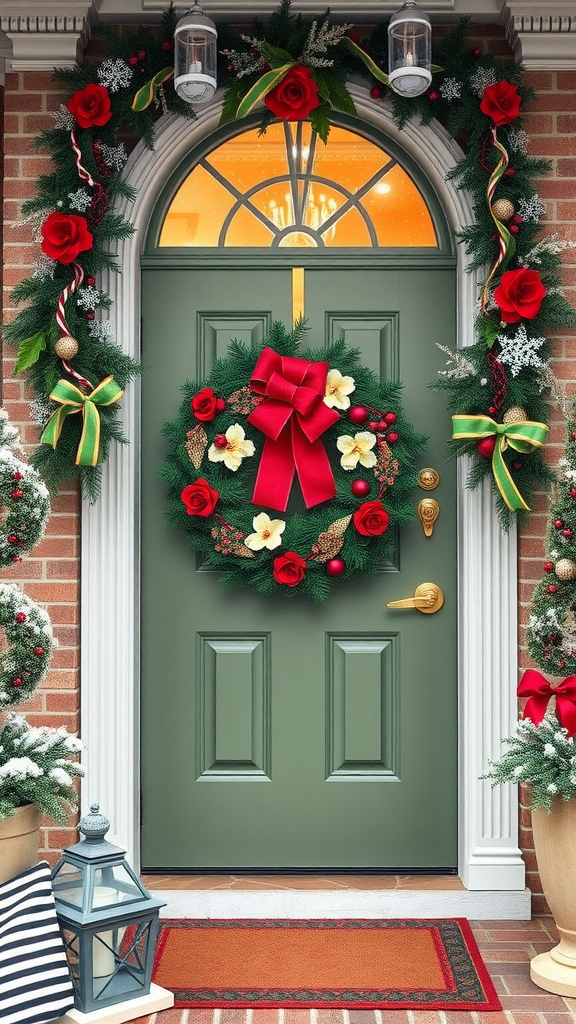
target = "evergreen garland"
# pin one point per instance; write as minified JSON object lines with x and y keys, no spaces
{"x":325,"y":538}
{"x":505,"y":371}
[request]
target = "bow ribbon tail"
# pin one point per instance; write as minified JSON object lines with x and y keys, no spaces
{"x":566,"y":705}
{"x":503,"y":478}
{"x":53,"y":429}
{"x":313,"y":467}
{"x":275,"y":472}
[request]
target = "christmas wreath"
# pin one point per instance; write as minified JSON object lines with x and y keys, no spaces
{"x":295,"y":68}
{"x":266,"y":415}
{"x":23,"y":496}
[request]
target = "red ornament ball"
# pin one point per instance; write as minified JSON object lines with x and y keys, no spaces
{"x":17,"y":494}
{"x":558,"y":524}
{"x":390,"y":417}
{"x":573,"y":492}
{"x":375,"y":92}
{"x":573,"y":435}
{"x":91,"y":281}
{"x":492,"y":410}
{"x":551,"y":589}
{"x":358,"y":415}
{"x":220,"y":440}
{"x":548,"y":566}
{"x":433,"y":95}
{"x":220,"y":404}
{"x":132,"y":61}
{"x":39,"y":651}
{"x":335,"y":566}
{"x":476,"y":52}
{"x":17,"y":681}
{"x":18,"y":476}
{"x":486,"y":446}
{"x":167,"y":44}
{"x":567,"y":533}
{"x":513,"y":229}
{"x":392,"y":437}
{"x":509,"y":172}
{"x":373,"y":425}
{"x":90,"y":316}
{"x":517,"y":219}
{"x":360,"y":488}
{"x":12,"y":539}
{"x":20,"y":617}
{"x":141,"y":54}
{"x":382,"y":425}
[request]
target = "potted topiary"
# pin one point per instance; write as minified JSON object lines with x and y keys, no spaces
{"x":542,"y":754}
{"x":37,"y":765}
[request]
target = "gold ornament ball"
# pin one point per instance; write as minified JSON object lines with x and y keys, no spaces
{"x":66,"y":348}
{"x":502,"y":209}
{"x":515,"y":414}
{"x":565,"y":569}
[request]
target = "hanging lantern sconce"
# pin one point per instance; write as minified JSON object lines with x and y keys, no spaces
{"x":410,"y":51}
{"x":195,"y":56}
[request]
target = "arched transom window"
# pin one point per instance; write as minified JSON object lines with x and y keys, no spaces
{"x":285,"y":188}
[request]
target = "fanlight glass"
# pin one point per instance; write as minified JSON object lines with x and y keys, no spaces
{"x":286,"y":189}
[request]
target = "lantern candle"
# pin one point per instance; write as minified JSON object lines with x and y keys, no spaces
{"x":103,"y":962}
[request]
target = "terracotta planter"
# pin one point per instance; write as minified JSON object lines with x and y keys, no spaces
{"x":555,"y":845}
{"x":19,"y":841}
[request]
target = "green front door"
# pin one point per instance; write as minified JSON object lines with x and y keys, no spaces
{"x":283,"y":734}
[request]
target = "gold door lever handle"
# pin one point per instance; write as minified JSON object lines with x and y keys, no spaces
{"x":428,"y":598}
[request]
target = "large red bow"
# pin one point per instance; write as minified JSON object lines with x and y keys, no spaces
{"x":293,"y":417}
{"x":538,"y":691}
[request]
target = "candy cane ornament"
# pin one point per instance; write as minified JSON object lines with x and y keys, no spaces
{"x":66,"y":347}
{"x":506,"y":244}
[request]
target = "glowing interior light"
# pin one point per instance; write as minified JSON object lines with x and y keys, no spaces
{"x":383,"y":188}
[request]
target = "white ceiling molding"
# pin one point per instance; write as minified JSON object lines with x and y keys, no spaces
{"x":542,"y":40}
{"x":50,"y":34}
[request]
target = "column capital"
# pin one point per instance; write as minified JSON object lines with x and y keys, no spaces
{"x":52,"y":33}
{"x":542,"y":41}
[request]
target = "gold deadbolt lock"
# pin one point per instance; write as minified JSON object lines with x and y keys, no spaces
{"x":428,"y":598}
{"x":428,"y":510}
{"x":428,"y":479}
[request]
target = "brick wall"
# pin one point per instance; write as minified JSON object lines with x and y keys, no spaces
{"x":52,"y":574}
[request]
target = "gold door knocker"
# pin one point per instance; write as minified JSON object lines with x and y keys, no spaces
{"x":428,"y":479}
{"x":428,"y":510}
{"x":428,"y":598}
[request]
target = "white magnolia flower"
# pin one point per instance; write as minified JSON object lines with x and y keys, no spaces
{"x":236,"y":448}
{"x":357,"y":449}
{"x":337,"y":390}
{"x":268,"y":533}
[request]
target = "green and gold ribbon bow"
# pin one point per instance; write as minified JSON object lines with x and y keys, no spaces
{"x":72,"y":400}
{"x":525,"y":437}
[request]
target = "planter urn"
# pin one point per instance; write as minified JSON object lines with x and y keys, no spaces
{"x":19,"y":836}
{"x":555,"y":845}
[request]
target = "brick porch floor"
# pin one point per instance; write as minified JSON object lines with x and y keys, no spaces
{"x":506,"y":946}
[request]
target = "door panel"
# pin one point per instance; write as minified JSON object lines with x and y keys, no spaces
{"x":283,"y":734}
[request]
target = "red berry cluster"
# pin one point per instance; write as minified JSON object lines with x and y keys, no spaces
{"x":382,"y":426}
{"x":136,"y":58}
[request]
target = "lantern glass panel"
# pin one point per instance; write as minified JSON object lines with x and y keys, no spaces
{"x":113,"y":885}
{"x":410,"y":45}
{"x":119,"y":962}
{"x":196,"y":54}
{"x":69,"y":884}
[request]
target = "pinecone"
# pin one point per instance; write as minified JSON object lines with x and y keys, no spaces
{"x":196,"y":445}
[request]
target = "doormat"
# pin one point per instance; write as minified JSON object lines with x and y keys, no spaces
{"x":362,"y":964}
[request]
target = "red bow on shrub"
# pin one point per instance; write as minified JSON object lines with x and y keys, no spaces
{"x":293,"y":416}
{"x":537,"y":689}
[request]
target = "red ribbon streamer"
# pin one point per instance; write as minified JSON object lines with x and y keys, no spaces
{"x":537,"y":689}
{"x":293,"y":416}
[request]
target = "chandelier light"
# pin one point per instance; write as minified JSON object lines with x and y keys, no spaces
{"x":195,"y":56}
{"x":409,"y":50}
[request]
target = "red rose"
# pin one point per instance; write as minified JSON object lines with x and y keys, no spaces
{"x":289,"y":569}
{"x":200,"y":499}
{"x":371,"y":519}
{"x":64,"y":235}
{"x":205,"y":405}
{"x":519,"y":295}
{"x":501,"y":102}
{"x":91,"y":106}
{"x":295,"y":96}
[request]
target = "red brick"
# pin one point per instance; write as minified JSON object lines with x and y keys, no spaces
{"x":28,"y":101}
{"x":566,"y":80}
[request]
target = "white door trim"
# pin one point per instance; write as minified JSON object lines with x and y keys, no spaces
{"x":489,"y":857}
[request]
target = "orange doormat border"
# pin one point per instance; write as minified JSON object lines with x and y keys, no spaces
{"x":312,"y":964}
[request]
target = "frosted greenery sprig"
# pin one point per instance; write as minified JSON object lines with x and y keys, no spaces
{"x":37,"y":766}
{"x":542,"y":755}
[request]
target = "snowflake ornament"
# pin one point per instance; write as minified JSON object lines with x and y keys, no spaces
{"x":44,"y":267}
{"x":41,"y":411}
{"x":80,"y":200}
{"x":101,"y":330}
{"x":451,"y":89}
{"x":481,"y":79}
{"x":531,"y":209}
{"x":518,"y":140}
{"x":63,"y":118}
{"x":114,"y":156}
{"x":88,"y":298}
{"x":115,"y":75}
{"x":520,"y":351}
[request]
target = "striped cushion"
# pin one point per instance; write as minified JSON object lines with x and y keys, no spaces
{"x":34,"y":979}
